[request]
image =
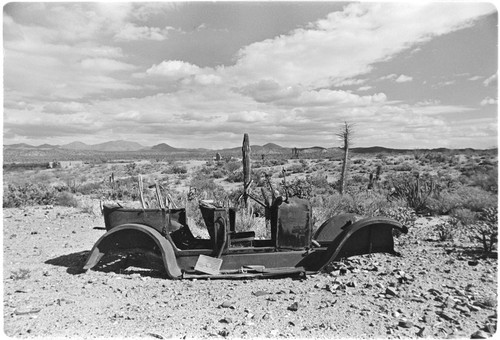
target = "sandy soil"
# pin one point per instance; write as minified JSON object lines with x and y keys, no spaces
{"x":436,"y":289}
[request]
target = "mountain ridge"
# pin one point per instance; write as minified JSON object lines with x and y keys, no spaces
{"x":125,"y":146}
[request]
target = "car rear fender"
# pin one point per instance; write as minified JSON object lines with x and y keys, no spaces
{"x":133,"y":236}
{"x":366,"y":236}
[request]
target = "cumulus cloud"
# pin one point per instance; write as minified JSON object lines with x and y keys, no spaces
{"x":131,"y":32}
{"x":105,"y":65}
{"x":63,"y":107}
{"x":365,"y":88}
{"x":347,"y":43}
{"x":492,"y":80}
{"x":403,"y":79}
{"x":174,"y":69}
{"x":80,"y":58}
{"x":391,"y":76}
{"x":488,"y":101}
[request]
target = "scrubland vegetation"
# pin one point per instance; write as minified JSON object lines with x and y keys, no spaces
{"x":461,"y":186}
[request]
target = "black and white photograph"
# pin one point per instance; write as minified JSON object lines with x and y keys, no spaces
{"x":250,"y":170}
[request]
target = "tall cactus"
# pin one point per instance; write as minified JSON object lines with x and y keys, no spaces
{"x":245,"y":149}
{"x":345,"y":134}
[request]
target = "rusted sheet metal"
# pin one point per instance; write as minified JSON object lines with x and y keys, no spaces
{"x":293,"y":224}
{"x":159,"y":219}
{"x":366,"y":236}
{"x":334,"y":226}
{"x":129,"y":236}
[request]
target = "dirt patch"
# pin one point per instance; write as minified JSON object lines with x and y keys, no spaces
{"x":434,"y":289}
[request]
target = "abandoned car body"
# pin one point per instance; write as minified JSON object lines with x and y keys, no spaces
{"x":292,"y":249}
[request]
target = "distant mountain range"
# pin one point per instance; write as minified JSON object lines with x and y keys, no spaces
{"x":125,"y":146}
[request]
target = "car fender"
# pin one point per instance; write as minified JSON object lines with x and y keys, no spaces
{"x":334,"y":226}
{"x":128,"y":236}
{"x":366,"y":236}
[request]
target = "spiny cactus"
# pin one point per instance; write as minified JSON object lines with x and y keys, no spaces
{"x":415,"y":192}
{"x":486,"y":230}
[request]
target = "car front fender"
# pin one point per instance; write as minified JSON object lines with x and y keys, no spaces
{"x":366,"y":236}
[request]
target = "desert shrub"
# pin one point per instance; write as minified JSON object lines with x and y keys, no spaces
{"x":275,"y":162}
{"x":447,"y":230}
{"x":298,"y":187}
{"x":233,"y":166}
{"x":179,"y":169}
{"x":21,"y":274}
{"x":320,"y":184}
{"x":415,"y":191}
{"x":246,"y":220}
{"x":487,"y":180}
{"x":28,"y":194}
{"x":206,"y":188}
{"x":471,"y":198}
{"x":91,"y":188}
{"x":403,"y":167}
{"x":404,"y":215}
{"x":297,"y":168}
{"x":131,"y":169}
{"x":124,"y":189}
{"x":175,"y":169}
{"x":43,"y":176}
{"x":361,"y":203}
{"x":219,"y":173}
{"x":484,"y":177}
{"x":465,"y":216}
{"x":235,"y":177}
{"x":476,"y":199}
{"x":485,"y":231}
{"x":66,"y":199}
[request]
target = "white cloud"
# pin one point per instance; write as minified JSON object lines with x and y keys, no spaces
{"x":131,"y":32}
{"x":492,"y":80}
{"x":347,"y":43}
{"x":174,"y":69}
{"x":66,"y":74}
{"x":349,"y":82}
{"x":105,"y":65}
{"x":365,"y":88}
{"x":488,"y":101}
{"x":391,"y":76}
{"x":64,"y":107}
{"x":403,"y":79}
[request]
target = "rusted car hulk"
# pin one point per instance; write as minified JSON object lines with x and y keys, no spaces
{"x":293,"y":249}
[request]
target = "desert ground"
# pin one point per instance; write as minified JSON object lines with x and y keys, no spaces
{"x":444,"y":285}
{"x":435,"y":289}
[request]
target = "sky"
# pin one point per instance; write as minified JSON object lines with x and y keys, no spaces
{"x":201,"y":74}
